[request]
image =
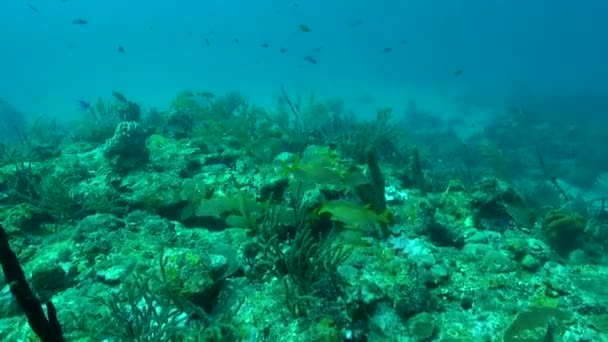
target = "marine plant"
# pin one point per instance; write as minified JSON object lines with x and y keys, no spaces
{"x":40,"y":141}
{"x":550,"y":177}
{"x":49,"y":195}
{"x":127,"y":109}
{"x":43,"y":139}
{"x":306,"y":262}
{"x":417,"y":173}
{"x":105,"y":119}
{"x":251,"y":131}
{"x":178,"y":124}
{"x":134,"y":314}
{"x":289,"y":122}
{"x":151,"y":308}
{"x":311,"y":269}
{"x":564,"y":230}
{"x":225,"y":106}
{"x":325,"y":330}
{"x":380,"y":134}
{"x":375,"y":195}
{"x":316,"y":116}
{"x":57,"y":198}
{"x":17,"y":156}
{"x":186,"y":101}
{"x":496,"y":158}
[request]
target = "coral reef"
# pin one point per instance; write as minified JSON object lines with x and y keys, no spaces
{"x":219,"y":220}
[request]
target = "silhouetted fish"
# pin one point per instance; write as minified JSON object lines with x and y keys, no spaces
{"x":33,"y":8}
{"x":207,"y":42}
{"x":120,"y":97}
{"x":84,"y":104}
{"x":283,"y":50}
{"x":265,"y":45}
{"x":79,"y":22}
{"x":121,"y":49}
{"x":387,"y":49}
{"x":236,"y":40}
{"x":311,"y":59}
{"x":355,"y":23}
{"x":304,"y":28}
{"x":458,"y":72}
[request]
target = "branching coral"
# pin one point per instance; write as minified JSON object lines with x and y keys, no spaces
{"x":150,"y":308}
{"x":310,"y":266}
{"x":380,"y":134}
{"x":306,"y":264}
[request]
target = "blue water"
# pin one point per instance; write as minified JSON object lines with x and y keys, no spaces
{"x":508,"y":51}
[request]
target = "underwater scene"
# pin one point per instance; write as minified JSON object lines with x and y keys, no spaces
{"x":277,"y":171}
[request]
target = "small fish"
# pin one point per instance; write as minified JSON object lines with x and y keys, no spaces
{"x":236,"y":40}
{"x":355,"y":23}
{"x":311,"y":59}
{"x":265,"y":45}
{"x":403,"y":42}
{"x":120,"y":97}
{"x":458,"y":72}
{"x":79,"y":22}
{"x":304,"y":28}
{"x":353,"y":215}
{"x":207,"y":42}
{"x":121,"y":49}
{"x":387,"y":50}
{"x":33,"y":8}
{"x":84,"y":104}
{"x":283,"y":50}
